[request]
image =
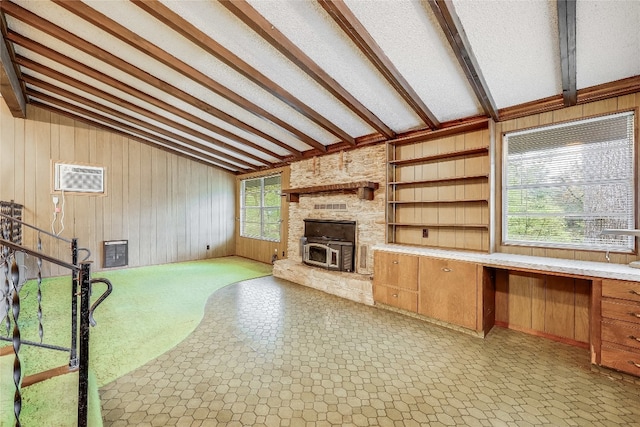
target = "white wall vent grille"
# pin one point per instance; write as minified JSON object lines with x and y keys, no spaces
{"x":78,"y":178}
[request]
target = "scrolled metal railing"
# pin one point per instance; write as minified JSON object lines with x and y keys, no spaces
{"x":80,"y":278}
{"x":100,"y":299}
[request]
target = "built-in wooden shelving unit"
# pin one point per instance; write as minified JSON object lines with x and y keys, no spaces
{"x":438,"y":192}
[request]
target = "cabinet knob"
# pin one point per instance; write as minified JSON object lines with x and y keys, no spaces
{"x":395,"y":262}
{"x":446,"y":269}
{"x":635,"y":315}
{"x":631,"y":337}
{"x":637,"y":365}
{"x":634,"y":292}
{"x":395,"y":295}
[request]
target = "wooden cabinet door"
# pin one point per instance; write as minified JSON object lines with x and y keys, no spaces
{"x":395,"y":270}
{"x":448,"y":291}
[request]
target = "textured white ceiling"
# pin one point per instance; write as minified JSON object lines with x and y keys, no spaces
{"x":607,"y":41}
{"x":189,"y":53}
{"x":126,"y":97}
{"x":222,"y":26}
{"x":413,"y":41}
{"x":311,"y":29}
{"x":140,"y":85}
{"x":516,"y":45}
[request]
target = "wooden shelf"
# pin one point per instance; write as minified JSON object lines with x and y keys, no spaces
{"x":365,"y":190}
{"x":441,"y":156}
{"x":458,"y":176}
{"x":400,"y":202}
{"x":403,"y":224}
{"x":441,"y":180}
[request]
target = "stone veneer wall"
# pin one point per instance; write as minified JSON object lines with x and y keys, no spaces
{"x":364,"y":164}
{"x":355,"y":287}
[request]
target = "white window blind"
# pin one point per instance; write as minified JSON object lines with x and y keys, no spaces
{"x":260,"y":208}
{"x":563,"y":184}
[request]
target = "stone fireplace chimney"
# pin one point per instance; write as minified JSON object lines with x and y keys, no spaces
{"x":363,"y":164}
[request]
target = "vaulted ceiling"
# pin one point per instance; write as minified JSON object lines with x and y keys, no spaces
{"x":248,"y":85}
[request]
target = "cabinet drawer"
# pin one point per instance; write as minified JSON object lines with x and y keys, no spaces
{"x":397,"y":270}
{"x":398,"y":298}
{"x":616,"y":309}
{"x":626,"y":361}
{"x":621,"y":289}
{"x":627,"y":334}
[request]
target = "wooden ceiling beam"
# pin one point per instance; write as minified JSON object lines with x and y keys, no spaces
{"x":79,"y":112}
{"x":346,"y":20}
{"x":132,"y":39}
{"x":567,"y":36}
{"x":109,"y":81}
{"x":37,"y":83}
{"x":108,"y":113}
{"x":247,"y":14}
{"x":450,"y":23}
{"x":199,"y":38}
{"x":10,"y":87}
{"x":108,"y":58}
{"x":87,"y":88}
{"x":176,"y":149}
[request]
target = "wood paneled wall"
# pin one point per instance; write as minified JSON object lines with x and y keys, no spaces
{"x":607,"y":106}
{"x":262,"y":250}
{"x":168,"y":207}
{"x":551,"y":306}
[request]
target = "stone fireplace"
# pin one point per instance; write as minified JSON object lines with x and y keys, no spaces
{"x":363,"y":164}
{"x":329,"y":244}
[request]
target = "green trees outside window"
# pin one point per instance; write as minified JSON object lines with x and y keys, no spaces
{"x":260,"y":208}
{"x":565,"y":183}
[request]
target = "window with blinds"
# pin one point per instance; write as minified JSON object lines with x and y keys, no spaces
{"x":260,"y":208}
{"x":565,"y":183}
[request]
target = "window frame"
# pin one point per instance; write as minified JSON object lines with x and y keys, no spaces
{"x":262,"y":209}
{"x":632,"y":249}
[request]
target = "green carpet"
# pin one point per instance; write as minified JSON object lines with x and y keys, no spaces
{"x":149,"y":312}
{"x":39,"y":410}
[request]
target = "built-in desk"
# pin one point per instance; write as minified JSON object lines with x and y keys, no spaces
{"x":554,"y":266}
{"x":595,"y":305}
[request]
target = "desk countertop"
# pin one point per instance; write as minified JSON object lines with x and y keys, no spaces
{"x":543,"y":264}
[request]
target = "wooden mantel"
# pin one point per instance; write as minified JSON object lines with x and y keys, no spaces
{"x":364,"y":189}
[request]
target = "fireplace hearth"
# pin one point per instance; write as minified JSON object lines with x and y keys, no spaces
{"x":329,"y":244}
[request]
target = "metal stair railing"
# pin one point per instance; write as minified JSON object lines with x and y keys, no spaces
{"x":80,"y":278}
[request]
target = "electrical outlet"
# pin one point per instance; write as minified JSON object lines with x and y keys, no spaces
{"x":208,"y":247}
{"x":55,"y":200}
{"x":425,"y":233}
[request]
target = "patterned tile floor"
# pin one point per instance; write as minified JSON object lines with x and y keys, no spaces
{"x":269,"y":352}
